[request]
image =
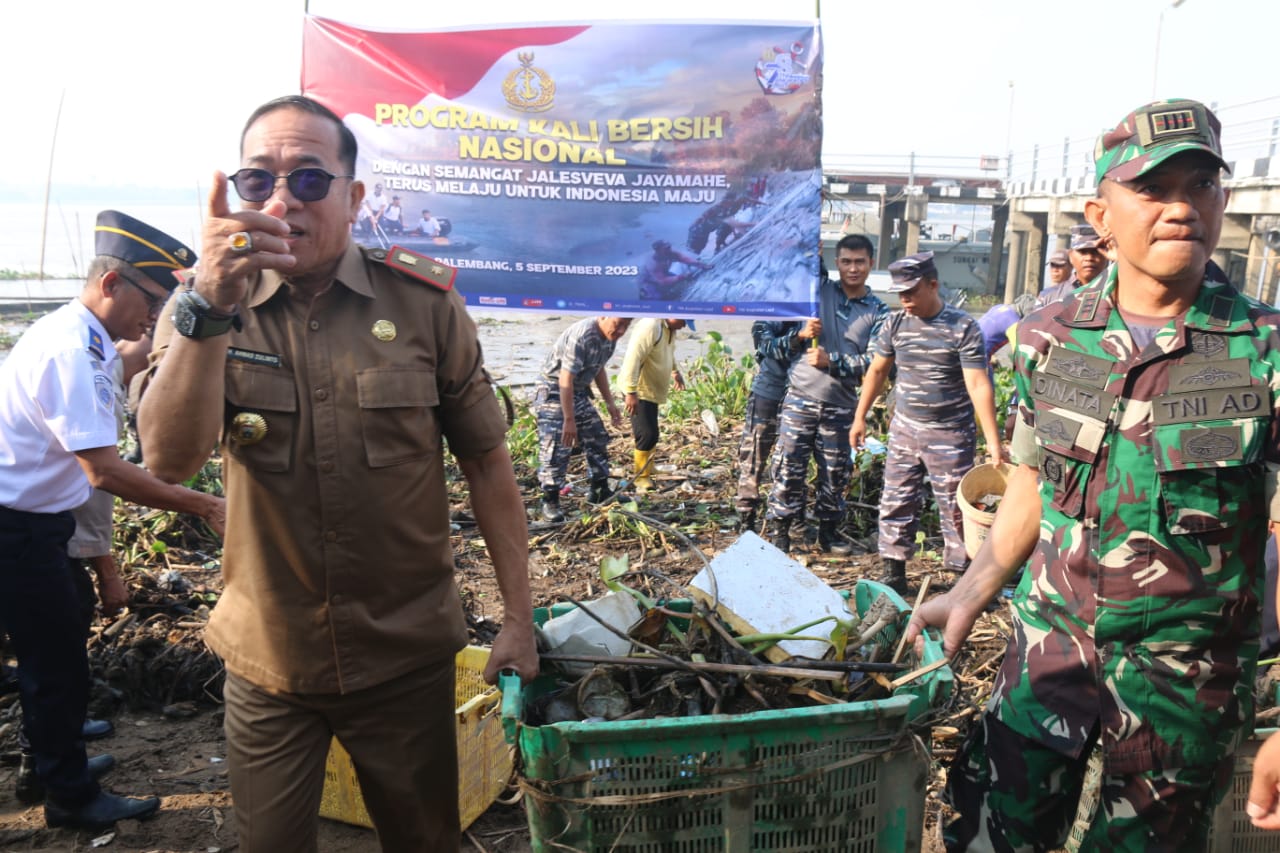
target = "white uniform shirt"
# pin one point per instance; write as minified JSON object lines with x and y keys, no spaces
{"x":57,"y":396}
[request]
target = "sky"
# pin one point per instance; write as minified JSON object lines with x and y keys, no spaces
{"x":154,"y":92}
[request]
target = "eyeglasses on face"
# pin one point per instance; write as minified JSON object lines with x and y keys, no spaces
{"x":154,"y":302}
{"x":309,"y":183}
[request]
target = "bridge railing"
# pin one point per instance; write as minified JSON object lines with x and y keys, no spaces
{"x":1250,"y":137}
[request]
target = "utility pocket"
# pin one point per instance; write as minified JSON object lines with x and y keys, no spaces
{"x":397,"y":414}
{"x":1210,"y":473}
{"x":262,"y":418}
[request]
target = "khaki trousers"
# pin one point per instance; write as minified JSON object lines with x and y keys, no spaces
{"x":401,"y":739}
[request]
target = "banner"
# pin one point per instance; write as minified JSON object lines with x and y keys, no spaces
{"x":617,"y":168}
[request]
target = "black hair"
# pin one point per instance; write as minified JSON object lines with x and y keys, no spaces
{"x":856,"y":243}
{"x":346,"y":139}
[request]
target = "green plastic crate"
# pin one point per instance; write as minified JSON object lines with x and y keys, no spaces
{"x":1232,"y":832}
{"x":849,"y":777}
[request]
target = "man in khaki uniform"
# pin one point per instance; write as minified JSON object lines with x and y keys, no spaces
{"x":329,"y":374}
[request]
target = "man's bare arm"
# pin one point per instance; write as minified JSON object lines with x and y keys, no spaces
{"x":1013,"y":537}
{"x":499,"y":511}
{"x":108,"y":472}
{"x":978,"y":384}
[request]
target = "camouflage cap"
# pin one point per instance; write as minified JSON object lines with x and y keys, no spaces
{"x":907,"y":272}
{"x":1152,"y":134}
{"x":1059,"y":258}
{"x":1084,"y":237}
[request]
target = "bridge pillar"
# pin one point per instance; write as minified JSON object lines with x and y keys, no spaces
{"x":995,"y":268}
{"x":917,"y":212}
{"x":892,"y":212}
{"x":1028,"y":273}
{"x":1017,"y":248}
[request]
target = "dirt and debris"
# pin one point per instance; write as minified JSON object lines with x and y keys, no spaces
{"x":159,"y":684}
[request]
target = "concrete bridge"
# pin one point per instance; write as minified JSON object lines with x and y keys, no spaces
{"x":1036,"y":196}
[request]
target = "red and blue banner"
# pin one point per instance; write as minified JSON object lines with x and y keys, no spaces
{"x":618,"y":168}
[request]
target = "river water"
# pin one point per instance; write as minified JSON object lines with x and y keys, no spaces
{"x":515,"y":344}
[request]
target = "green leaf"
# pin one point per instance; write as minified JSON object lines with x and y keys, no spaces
{"x":612,"y":568}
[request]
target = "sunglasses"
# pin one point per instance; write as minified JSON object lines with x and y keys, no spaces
{"x":154,"y":302}
{"x":306,"y":184}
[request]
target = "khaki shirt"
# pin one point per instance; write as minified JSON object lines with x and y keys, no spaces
{"x":337,"y":563}
{"x":649,"y":362}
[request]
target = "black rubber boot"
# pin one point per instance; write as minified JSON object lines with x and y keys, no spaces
{"x":894,"y":575}
{"x":551,"y":505}
{"x":778,"y":531}
{"x":830,"y":541}
{"x":600,"y":491}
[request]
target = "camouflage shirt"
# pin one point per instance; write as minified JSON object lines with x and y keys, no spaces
{"x":1140,"y":610}
{"x":582,"y":350}
{"x":848,"y":328}
{"x":774,"y":352}
{"x":930,"y":356}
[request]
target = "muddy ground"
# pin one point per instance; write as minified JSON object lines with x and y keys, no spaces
{"x":161,"y":688}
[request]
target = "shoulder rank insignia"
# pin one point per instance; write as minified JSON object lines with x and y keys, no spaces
{"x":421,"y":267}
{"x":96,"y":348}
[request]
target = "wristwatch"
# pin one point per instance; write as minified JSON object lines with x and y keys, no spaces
{"x":194,"y":317}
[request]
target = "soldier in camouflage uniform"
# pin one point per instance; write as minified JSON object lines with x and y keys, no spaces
{"x":818,"y":408}
{"x":774,"y":352}
{"x":942,"y":383}
{"x":566,"y":413}
{"x":1148,"y":467}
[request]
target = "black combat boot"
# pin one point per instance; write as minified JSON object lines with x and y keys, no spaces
{"x":894,"y":575}
{"x":746,"y":520}
{"x":778,"y":531}
{"x":551,"y":505}
{"x":830,"y":540}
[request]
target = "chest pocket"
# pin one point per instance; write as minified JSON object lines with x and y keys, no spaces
{"x":1210,"y":472}
{"x":1068,"y":444}
{"x":269,"y":394}
{"x":397,"y":415}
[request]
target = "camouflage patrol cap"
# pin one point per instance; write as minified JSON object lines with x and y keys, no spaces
{"x":907,"y":272}
{"x":1152,"y":134}
{"x":1059,"y":258}
{"x":1084,"y":237}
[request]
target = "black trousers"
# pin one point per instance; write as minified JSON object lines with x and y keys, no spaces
{"x":43,"y":614}
{"x":644,"y":425}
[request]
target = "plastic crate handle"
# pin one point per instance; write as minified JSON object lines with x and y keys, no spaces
{"x":512,"y":703}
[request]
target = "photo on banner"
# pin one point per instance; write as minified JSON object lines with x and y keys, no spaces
{"x":612,"y":168}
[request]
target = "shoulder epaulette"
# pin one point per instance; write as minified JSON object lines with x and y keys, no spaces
{"x":418,"y":267}
{"x":96,"y":347}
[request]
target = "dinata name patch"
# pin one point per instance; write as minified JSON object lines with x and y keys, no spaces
{"x":1210,"y":405}
{"x":1069,"y":395}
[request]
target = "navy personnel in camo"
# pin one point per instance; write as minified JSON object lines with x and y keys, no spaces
{"x":942,"y":383}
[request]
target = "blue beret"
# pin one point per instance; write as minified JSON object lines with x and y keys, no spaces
{"x":909,"y":271}
{"x":119,"y":235}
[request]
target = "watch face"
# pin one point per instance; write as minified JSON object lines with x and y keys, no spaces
{"x":184,"y":319}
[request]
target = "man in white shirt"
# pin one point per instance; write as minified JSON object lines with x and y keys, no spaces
{"x":58,"y":434}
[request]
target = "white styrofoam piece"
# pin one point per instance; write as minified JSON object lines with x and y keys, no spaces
{"x":772,"y":593}
{"x":577,"y":633}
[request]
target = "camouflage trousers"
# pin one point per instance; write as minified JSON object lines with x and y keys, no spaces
{"x":945,"y":454}
{"x":759,"y":433}
{"x":553,"y":454}
{"x":1014,"y":795}
{"x":821,"y":431}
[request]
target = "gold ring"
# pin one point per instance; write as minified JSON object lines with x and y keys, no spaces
{"x":241,"y":242}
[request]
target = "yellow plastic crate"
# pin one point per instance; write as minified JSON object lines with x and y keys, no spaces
{"x":484,"y":758}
